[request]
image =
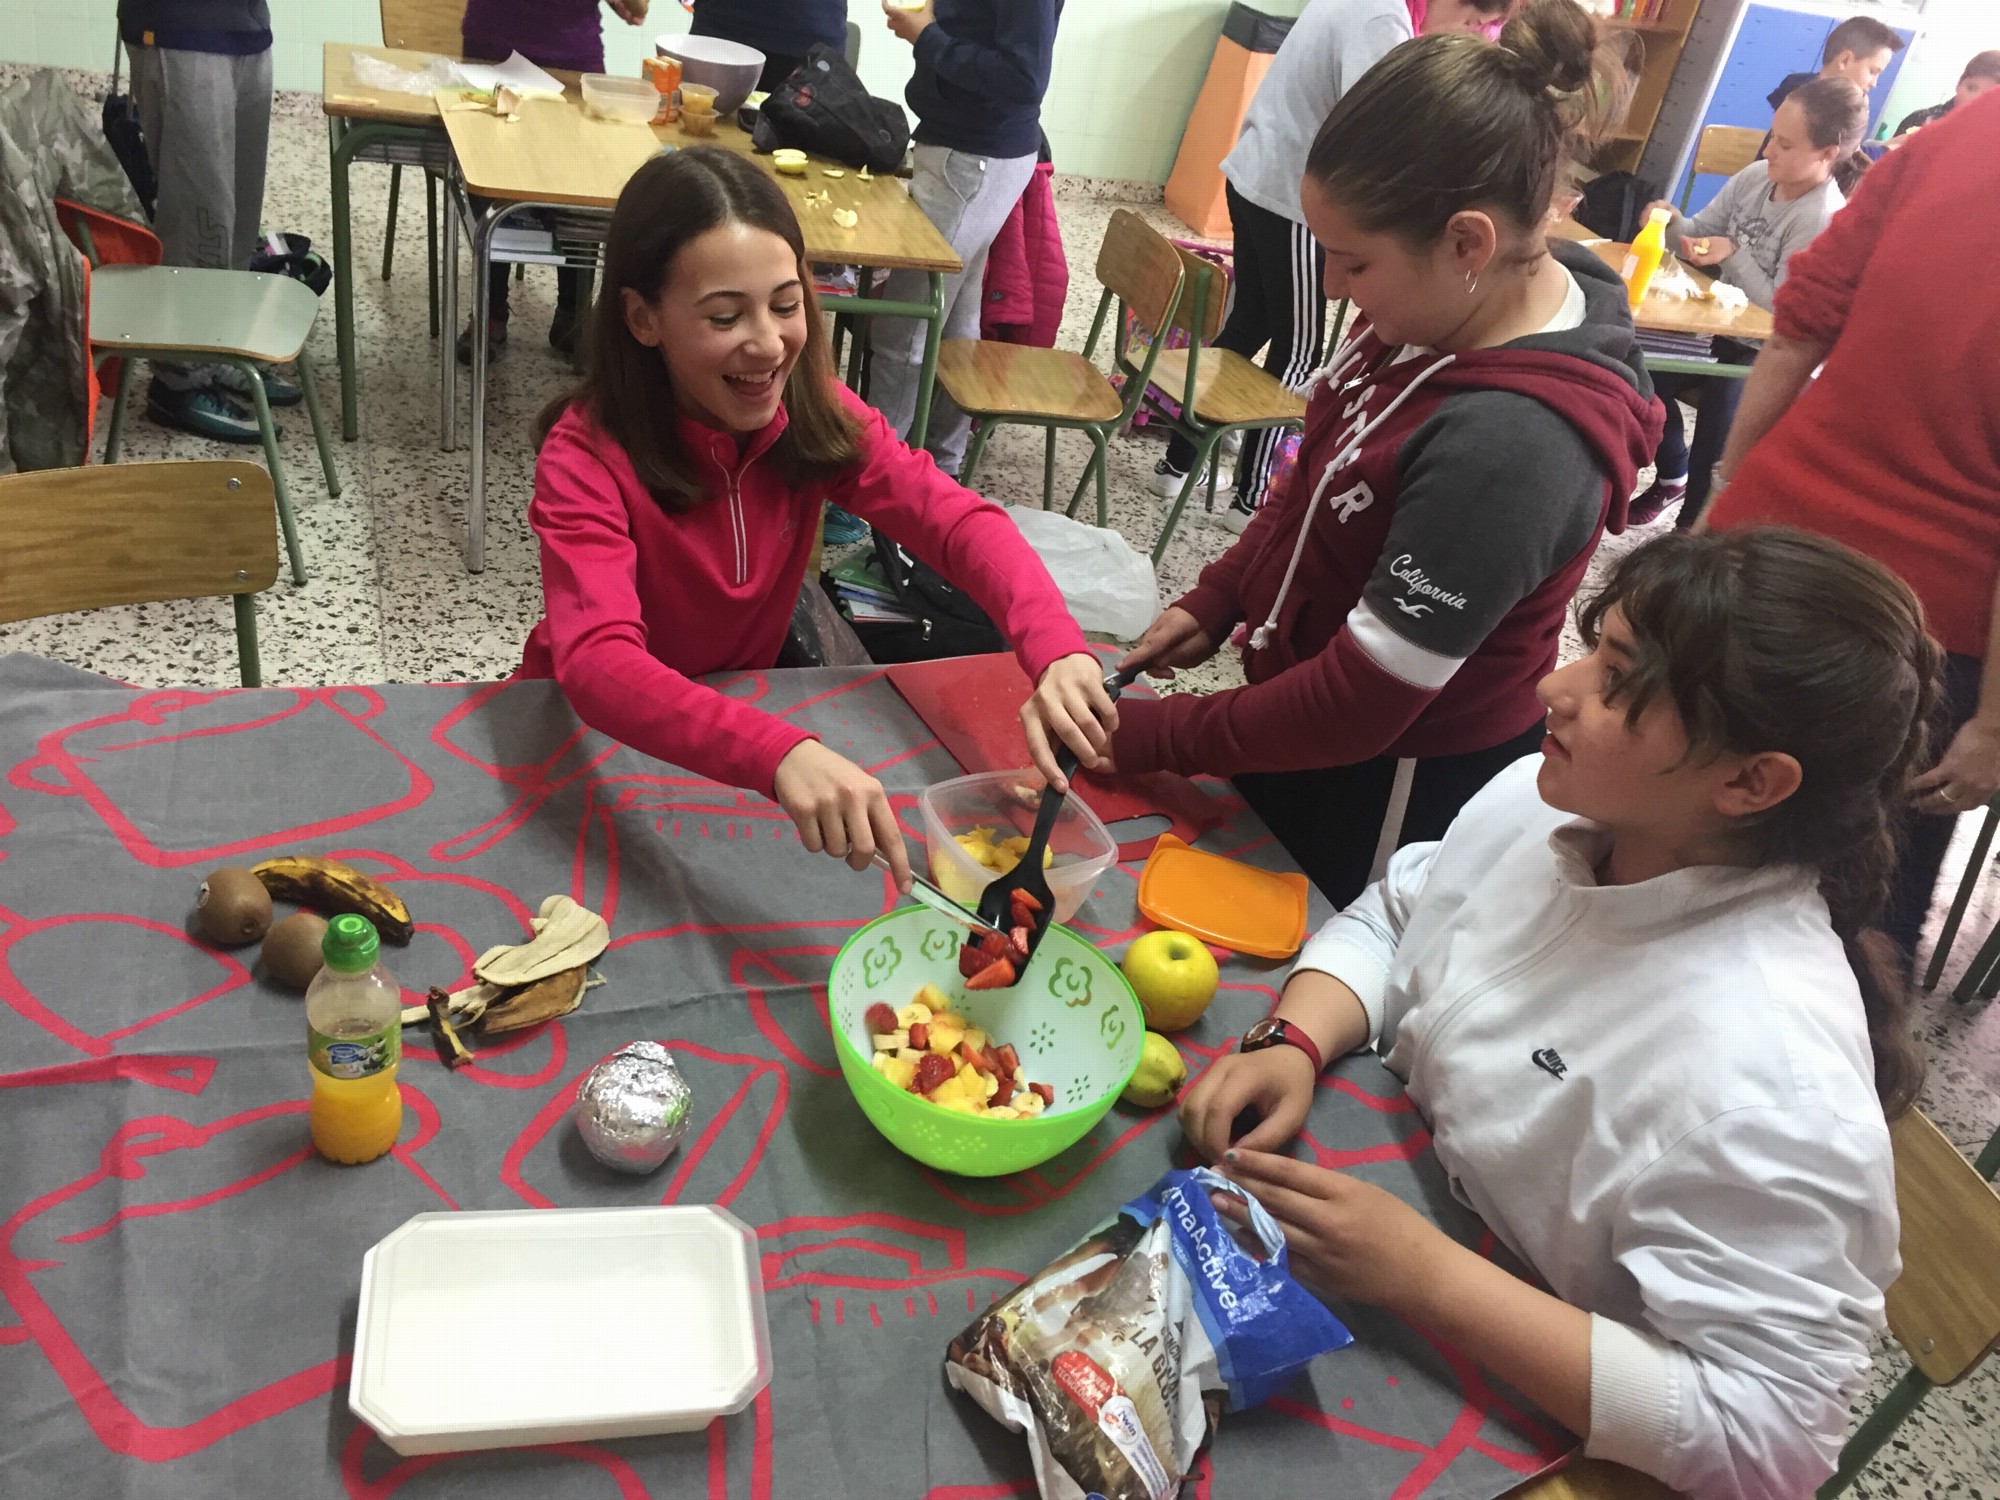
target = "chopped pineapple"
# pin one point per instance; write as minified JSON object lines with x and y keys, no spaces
{"x":944,"y":1038}
{"x":896,"y":1070}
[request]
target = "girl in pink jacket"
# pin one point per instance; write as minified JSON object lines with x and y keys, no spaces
{"x":680,"y":484}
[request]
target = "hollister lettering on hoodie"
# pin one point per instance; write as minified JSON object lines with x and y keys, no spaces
{"x":1406,"y":590}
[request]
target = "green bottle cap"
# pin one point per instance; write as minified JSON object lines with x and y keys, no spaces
{"x":350,"y":944}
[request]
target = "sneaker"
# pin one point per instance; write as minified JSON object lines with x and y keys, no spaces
{"x":564,"y":330}
{"x":278,"y":391}
{"x":1167,"y":480}
{"x":842,"y":529}
{"x":1232,"y":446}
{"x":1234,"y":517}
{"x":1655,"y":498}
{"x":496,"y":338}
{"x":204,"y":411}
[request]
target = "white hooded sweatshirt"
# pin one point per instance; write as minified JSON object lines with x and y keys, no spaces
{"x":1661,"y":1097}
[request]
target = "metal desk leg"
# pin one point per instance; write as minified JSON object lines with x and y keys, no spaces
{"x":340,"y":152}
{"x":927,"y":378}
{"x":483,"y":226}
{"x":448,"y":316}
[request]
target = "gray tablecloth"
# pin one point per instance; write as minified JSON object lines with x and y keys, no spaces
{"x":179,"y":1271}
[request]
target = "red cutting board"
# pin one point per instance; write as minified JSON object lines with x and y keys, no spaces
{"x":973,"y":705}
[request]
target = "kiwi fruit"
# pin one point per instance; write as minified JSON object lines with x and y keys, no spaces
{"x":233,"y":908}
{"x":291,"y":949}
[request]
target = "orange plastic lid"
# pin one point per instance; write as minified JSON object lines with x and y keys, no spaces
{"x":1223,"y":901}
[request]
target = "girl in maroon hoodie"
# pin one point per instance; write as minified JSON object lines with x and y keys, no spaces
{"x":1462,"y":455}
{"x":679,"y":486}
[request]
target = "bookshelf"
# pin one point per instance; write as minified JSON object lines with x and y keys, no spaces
{"x":1658,"y":30}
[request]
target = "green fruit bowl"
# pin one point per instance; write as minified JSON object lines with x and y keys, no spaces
{"x":1072,"y":1019}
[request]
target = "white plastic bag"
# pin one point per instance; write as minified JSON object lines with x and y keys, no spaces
{"x":1109,"y":588}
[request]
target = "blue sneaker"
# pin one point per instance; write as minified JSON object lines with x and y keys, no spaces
{"x":842,"y":529}
{"x":278,"y":391}
{"x":204,"y":411}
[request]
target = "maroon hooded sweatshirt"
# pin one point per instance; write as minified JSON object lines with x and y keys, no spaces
{"x":1405,"y":592}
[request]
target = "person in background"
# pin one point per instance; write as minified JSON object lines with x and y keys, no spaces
{"x":783,"y":30}
{"x":678,"y":490}
{"x":1747,"y":235}
{"x":564,"y":34}
{"x":1630,"y":996}
{"x":201,"y":78}
{"x":1403,"y":591}
{"x":1279,"y":266}
{"x":982,"y":67}
{"x":1859,"y":49}
{"x":1891,"y":448}
{"x":1981,"y":74}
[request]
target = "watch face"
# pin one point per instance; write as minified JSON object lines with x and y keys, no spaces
{"x":1262,"y":1034}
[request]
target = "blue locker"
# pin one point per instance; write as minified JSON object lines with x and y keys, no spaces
{"x":1771,"y":43}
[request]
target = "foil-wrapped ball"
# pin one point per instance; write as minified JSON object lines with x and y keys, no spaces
{"x":633,"y":1108}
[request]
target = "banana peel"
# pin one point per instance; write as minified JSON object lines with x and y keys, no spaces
{"x":567,"y":936}
{"x":326,"y":885}
{"x":544,"y":1000}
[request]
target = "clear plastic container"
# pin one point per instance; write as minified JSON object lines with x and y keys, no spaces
{"x":1005,"y":801}
{"x":498,"y":1330}
{"x":697,"y":121}
{"x":697,"y":96}
{"x":612,"y":98}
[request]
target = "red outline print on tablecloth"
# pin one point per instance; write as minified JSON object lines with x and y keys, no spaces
{"x":60,"y":771}
{"x":125,"y":1157}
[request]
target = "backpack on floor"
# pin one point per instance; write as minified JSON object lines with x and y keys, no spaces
{"x":1614,"y":205}
{"x":823,"y":107}
{"x":943,"y":621}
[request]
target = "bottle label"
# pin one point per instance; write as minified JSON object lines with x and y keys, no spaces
{"x":1631,"y":266}
{"x":352,"y":1057}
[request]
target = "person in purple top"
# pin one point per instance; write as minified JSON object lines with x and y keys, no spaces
{"x":550,"y":34}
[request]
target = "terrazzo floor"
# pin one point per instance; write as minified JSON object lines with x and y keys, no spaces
{"x":390,"y":601}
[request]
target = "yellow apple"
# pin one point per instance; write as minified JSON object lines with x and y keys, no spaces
{"x":1174,"y":976}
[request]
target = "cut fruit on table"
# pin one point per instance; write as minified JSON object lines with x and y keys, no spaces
{"x":1002,"y":856}
{"x":928,"y":1049}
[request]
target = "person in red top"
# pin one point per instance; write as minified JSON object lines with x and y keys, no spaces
{"x":1895,"y":448}
{"x":679,"y":485}
{"x":1403,"y":593}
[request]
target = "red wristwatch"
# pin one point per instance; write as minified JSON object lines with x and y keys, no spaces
{"x":1270,"y":1031}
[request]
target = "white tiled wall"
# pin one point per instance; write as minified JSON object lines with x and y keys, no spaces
{"x":1126,"y":71}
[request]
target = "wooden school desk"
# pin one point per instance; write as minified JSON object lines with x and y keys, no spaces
{"x":1663,"y":314}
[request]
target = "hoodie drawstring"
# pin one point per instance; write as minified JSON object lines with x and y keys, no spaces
{"x":1261,"y":636}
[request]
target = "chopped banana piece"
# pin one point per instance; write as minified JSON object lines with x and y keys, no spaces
{"x":916,"y":1013}
{"x":846,"y":218}
{"x":831,"y":172}
{"x":894,"y":1041}
{"x":1030,"y":1104}
{"x":865,"y":175}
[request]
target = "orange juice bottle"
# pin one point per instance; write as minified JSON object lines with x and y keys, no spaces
{"x":354,"y":1030}
{"x":1649,"y":248}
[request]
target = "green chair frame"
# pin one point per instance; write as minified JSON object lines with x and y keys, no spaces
{"x":1207,"y":439}
{"x":1137,"y":378}
{"x":1982,"y":975}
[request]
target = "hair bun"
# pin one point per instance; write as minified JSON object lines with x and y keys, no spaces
{"x":1558,"y":51}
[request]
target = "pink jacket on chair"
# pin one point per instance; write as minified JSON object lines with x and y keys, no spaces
{"x":1027,"y":274}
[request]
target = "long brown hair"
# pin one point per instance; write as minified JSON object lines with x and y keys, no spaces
{"x":1836,"y":114}
{"x":671,"y":200}
{"x":1779,"y":640}
{"x":1451,"y":122}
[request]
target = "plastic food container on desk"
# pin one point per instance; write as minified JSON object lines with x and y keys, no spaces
{"x":498,"y":1330}
{"x":610,"y":97}
{"x":1006,"y":801}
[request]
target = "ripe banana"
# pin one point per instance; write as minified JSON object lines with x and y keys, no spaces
{"x":326,"y":885}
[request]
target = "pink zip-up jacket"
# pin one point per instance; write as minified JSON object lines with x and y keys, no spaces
{"x":638,"y":603}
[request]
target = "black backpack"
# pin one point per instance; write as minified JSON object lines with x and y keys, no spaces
{"x":1614,"y":205}
{"x":824,"y":108}
{"x":946,"y":622}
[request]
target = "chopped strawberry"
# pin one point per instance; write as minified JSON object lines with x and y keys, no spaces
{"x":932,"y":1070}
{"x":1023,"y":937}
{"x":881,"y":1020}
{"x":994,"y":944}
{"x":1024,"y":898}
{"x":979,"y":1059}
{"x":1002,"y":1094}
{"x":1008,"y":1059}
{"x":1046,"y":1090}
{"x":920,"y":1035}
{"x":998,"y":975}
{"x":971,"y":959}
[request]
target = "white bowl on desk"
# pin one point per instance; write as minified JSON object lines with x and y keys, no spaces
{"x":730,"y":68}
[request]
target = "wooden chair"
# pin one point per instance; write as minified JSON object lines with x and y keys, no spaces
{"x":1945,"y":1307}
{"x":1059,"y":389}
{"x":1722,"y":151}
{"x":240,"y":318}
{"x":92,"y":537}
{"x":419,"y":26}
{"x":1219,"y":390}
{"x":1982,"y":975}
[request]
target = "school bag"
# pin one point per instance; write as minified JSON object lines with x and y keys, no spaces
{"x":824,"y":108}
{"x":120,"y":118}
{"x":943,"y":620}
{"x":1614,"y":205}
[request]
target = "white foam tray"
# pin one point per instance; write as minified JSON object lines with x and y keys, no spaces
{"x":497,"y":1330}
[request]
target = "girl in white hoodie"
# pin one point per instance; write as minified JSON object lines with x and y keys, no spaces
{"x":1630,"y":991}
